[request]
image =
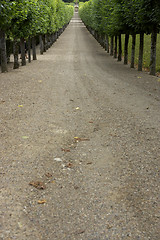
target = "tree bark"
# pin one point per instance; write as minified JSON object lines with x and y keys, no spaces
{"x":119,"y":48}
{"x":126,"y":49}
{"x":8,"y":49}
{"x":3,"y":52}
{"x":115,"y":47}
{"x":29,"y":49}
{"x":44,"y":45}
{"x":23,"y":54}
{"x":46,"y":41}
{"x":15,"y":53}
{"x":41,"y":44}
{"x":141,"y":46}
{"x":153,"y":52}
{"x":34,"y":48}
{"x":111,"y":50}
{"x":107,"y":44}
{"x":133,"y":50}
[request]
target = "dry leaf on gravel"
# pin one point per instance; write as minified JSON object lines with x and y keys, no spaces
{"x":69,"y":165}
{"x":49,"y":175}
{"x":25,"y":137}
{"x":20,"y":105}
{"x":88,"y":163}
{"x":65,"y":150}
{"x":37,"y":184}
{"x":42,"y":201}
{"x":109,"y":226}
{"x":79,"y":231}
{"x":58,"y":159}
{"x":78,"y":139}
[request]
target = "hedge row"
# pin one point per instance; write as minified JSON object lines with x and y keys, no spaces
{"x":21,"y":21}
{"x":111,"y":18}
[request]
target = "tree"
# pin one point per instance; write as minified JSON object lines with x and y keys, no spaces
{"x":6,"y":10}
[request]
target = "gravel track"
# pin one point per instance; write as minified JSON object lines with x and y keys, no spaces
{"x":87,"y":127}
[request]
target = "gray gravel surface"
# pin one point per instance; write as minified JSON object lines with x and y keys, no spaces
{"x":87,"y":128}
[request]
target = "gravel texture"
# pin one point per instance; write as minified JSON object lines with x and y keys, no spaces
{"x":79,"y":146}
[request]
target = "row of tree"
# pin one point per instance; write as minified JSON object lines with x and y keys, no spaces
{"x":111,"y":18}
{"x":22,"y":22}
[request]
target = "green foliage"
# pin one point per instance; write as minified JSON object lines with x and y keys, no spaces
{"x":121,"y":16}
{"x":7,"y":8}
{"x":25,"y":18}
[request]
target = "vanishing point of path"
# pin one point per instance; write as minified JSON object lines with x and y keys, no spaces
{"x":79,"y":146}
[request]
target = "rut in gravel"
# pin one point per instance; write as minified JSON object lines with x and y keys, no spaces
{"x":79,"y":146}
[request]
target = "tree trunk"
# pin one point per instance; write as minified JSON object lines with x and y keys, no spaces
{"x":29,"y":50}
{"x":107,"y":44}
{"x":153,"y":52}
{"x":133,"y":50}
{"x":34,"y":48}
{"x":119,"y":48}
{"x":126,"y":49}
{"x":111,"y":50}
{"x":15,"y":53}
{"x":41,"y":44}
{"x":115,"y":48}
{"x":101,"y":39}
{"x":3,"y":52}
{"x":141,"y":45}
{"x":23,"y":54}
{"x":46,"y":42}
{"x":50,"y":40}
{"x":44,"y":45}
{"x":8,"y":49}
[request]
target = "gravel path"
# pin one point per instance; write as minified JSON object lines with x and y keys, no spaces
{"x":79,"y":146}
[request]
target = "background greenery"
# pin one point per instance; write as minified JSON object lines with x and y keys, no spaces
{"x":147,"y":50}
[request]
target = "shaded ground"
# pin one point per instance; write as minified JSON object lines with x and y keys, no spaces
{"x":88,"y":128}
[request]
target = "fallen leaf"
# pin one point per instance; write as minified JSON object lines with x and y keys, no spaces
{"x":78,"y":139}
{"x":65,"y":150}
{"x":77,"y":108}
{"x":79,"y":231}
{"x":42,"y":201}
{"x":139,"y":77}
{"x":69,"y":165}
{"x":88,"y":163}
{"x":48,"y":175}
{"x":109,"y":226}
{"x":58,"y":159}
{"x":20,"y":105}
{"x":20,"y":225}
{"x":37,"y":184}
{"x":25,"y":137}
